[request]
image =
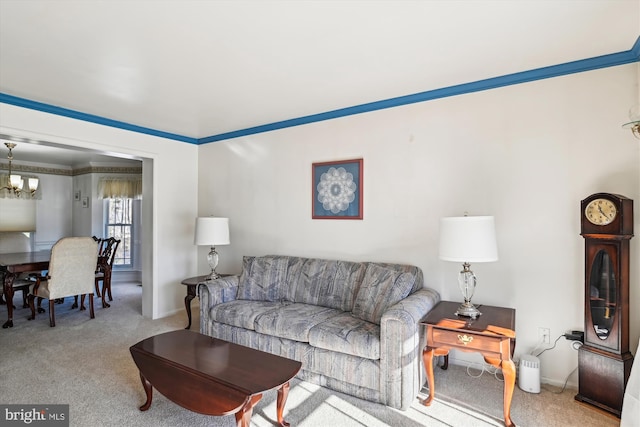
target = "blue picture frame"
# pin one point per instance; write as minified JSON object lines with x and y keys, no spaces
{"x":337,"y":189}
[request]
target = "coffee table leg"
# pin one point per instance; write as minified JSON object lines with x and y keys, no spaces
{"x":148,"y":389}
{"x":243,"y":416}
{"x":283,"y":393}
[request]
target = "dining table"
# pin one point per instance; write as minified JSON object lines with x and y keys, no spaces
{"x":12,"y":265}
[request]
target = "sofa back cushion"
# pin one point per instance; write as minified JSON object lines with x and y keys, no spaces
{"x":383,"y":286}
{"x":327,"y":283}
{"x":264,"y":279}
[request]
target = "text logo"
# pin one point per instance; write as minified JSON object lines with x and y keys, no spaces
{"x":34,"y":415}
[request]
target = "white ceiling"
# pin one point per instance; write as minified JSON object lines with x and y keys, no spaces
{"x":200,"y":68}
{"x":44,"y":152}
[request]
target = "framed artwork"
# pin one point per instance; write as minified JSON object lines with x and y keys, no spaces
{"x":76,"y":195}
{"x":85,"y":202}
{"x":337,"y":190}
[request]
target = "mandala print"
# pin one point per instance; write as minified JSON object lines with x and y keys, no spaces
{"x":336,"y":190}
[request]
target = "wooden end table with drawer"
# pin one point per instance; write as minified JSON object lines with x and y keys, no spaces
{"x":492,"y":334}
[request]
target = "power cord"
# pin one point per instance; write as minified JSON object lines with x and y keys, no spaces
{"x":552,"y":347}
{"x":577,"y":338}
{"x":540,"y":343}
{"x":565,"y":382}
{"x":492,"y":370}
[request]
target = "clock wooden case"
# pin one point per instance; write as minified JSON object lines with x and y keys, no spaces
{"x":604,"y":361}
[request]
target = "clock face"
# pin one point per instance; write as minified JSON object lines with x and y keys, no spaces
{"x":600,"y":212}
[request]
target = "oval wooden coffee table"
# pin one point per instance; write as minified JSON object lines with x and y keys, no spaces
{"x":211,"y":376}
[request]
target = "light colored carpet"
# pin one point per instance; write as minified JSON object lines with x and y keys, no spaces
{"x":86,"y":363}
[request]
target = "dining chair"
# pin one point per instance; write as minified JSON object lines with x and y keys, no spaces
{"x":20,"y":283}
{"x":71,"y":272}
{"x":106,"y":255}
{"x":101,"y":243}
{"x":11,"y":242}
{"x":103,"y":274}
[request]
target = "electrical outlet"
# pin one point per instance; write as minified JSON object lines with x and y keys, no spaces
{"x":544,"y":335}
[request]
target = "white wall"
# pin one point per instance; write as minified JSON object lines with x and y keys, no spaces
{"x":526,"y":154}
{"x":83,"y":217}
{"x":57,"y":215}
{"x":169,"y":205}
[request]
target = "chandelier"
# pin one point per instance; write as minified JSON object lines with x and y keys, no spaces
{"x":15,"y":183}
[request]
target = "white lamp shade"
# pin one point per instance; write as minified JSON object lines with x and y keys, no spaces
{"x":15,"y":181}
{"x":212,"y":231}
{"x":33,"y":184}
{"x":468,"y":239}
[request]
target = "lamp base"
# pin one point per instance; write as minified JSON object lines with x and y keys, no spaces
{"x":212,"y":259}
{"x":212,"y":276}
{"x":467,"y":309}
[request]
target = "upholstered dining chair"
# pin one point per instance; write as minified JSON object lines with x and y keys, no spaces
{"x":71,"y":272}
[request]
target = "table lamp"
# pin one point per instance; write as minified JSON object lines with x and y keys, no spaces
{"x":212,"y":231}
{"x":468,"y":239}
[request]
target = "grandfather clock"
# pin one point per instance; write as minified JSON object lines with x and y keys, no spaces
{"x":604,"y":361}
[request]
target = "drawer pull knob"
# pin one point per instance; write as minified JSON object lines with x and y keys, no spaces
{"x":465,"y":339}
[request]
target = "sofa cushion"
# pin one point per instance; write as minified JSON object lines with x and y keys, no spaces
{"x":293,"y":321}
{"x":416,"y":273}
{"x":264,"y":279}
{"x":242,"y":313}
{"x":381,"y":288}
{"x":328,"y":283}
{"x":347,"y":334}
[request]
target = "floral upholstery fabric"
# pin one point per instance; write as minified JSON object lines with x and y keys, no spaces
{"x":381,"y":288}
{"x":310,"y":319}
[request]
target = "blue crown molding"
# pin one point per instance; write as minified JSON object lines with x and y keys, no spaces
{"x":604,"y":61}
{"x":635,"y":50}
{"x":52,"y":109}
{"x":611,"y":60}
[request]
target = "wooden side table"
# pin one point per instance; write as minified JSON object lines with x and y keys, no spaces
{"x":492,"y":334}
{"x":192,"y":287}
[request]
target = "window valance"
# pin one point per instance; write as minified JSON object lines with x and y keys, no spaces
{"x":118,"y":188}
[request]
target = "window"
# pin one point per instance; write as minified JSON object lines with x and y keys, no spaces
{"x":119,"y":224}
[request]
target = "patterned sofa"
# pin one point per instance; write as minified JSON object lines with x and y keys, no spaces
{"x":353,"y":325}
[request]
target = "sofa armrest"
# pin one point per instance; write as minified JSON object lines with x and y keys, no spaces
{"x":214,"y":292}
{"x":401,"y":343}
